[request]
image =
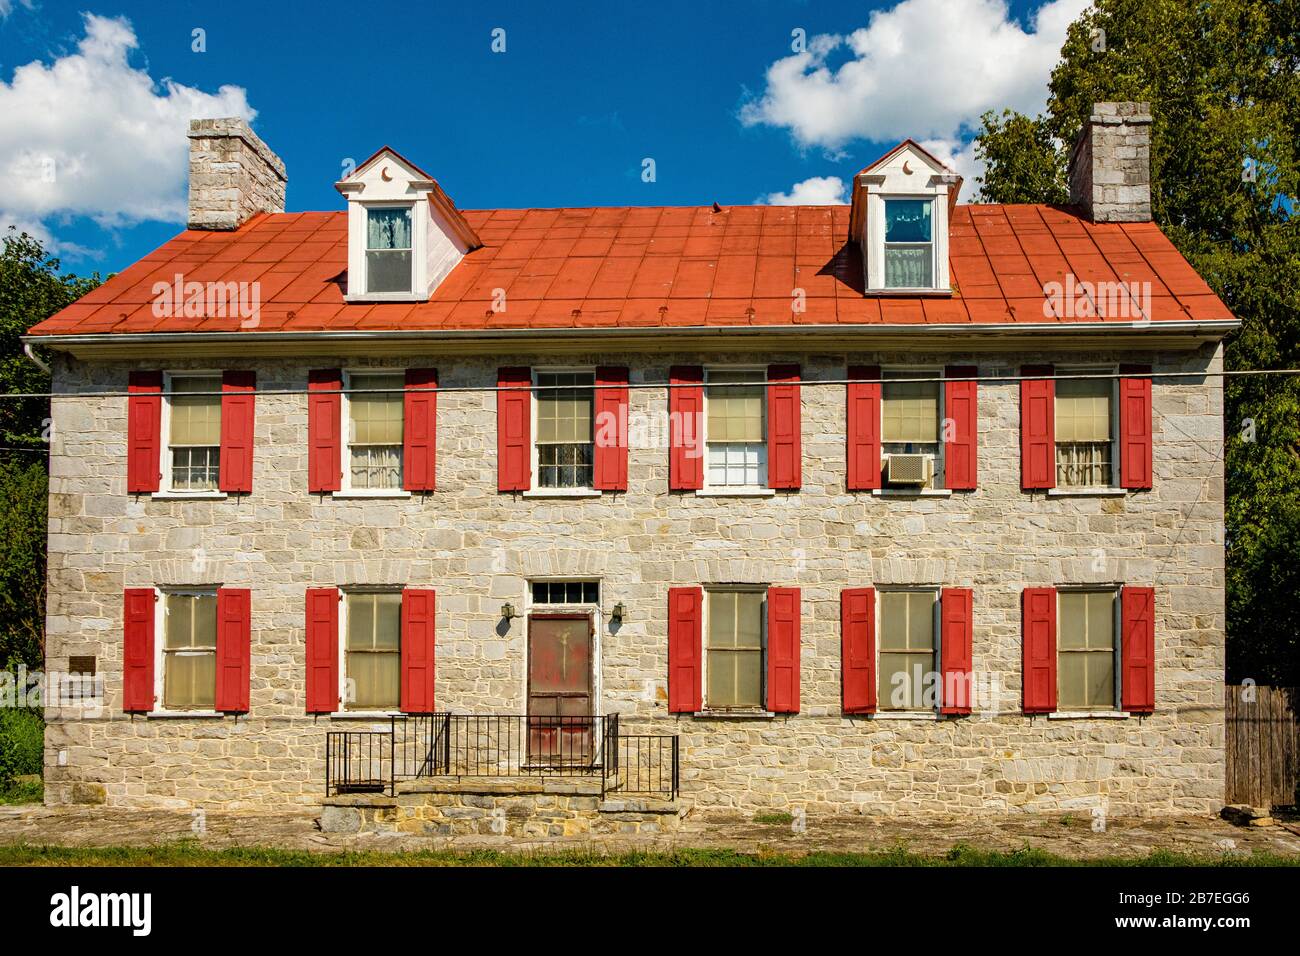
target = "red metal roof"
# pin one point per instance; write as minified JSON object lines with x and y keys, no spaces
{"x":652,"y":266}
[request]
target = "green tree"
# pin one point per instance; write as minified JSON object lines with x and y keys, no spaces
{"x":31,"y":290}
{"x":1223,"y":81}
{"x":1026,"y":165}
{"x":23,"y":507}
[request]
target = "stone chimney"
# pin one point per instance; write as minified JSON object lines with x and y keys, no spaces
{"x":1110,"y":167}
{"x":233,"y":174}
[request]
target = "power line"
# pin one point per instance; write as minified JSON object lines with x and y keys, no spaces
{"x":639,"y":386}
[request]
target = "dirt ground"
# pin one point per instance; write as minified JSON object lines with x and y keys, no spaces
{"x":1066,"y":836}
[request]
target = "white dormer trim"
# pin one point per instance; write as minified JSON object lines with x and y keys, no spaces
{"x":907,"y":172}
{"x":440,"y":236}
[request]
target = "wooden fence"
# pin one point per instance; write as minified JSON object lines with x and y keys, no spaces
{"x":1263,"y":745}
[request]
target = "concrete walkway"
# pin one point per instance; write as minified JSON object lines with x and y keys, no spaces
{"x":1060,"y":834}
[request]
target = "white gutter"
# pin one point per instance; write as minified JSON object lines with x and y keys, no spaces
{"x":27,"y":350}
{"x":1210,"y":329}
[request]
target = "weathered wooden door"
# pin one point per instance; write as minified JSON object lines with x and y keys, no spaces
{"x":560,"y":724}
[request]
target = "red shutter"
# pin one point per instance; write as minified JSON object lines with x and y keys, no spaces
{"x":955,"y":649}
{"x":685,"y":614}
{"x":686,"y":428}
{"x":1037,"y":429}
{"x":143,"y":434}
{"x":610,"y":422}
{"x":322,"y":650}
{"x":784,"y":438}
{"x":137,"y":649}
{"x":324,"y":430}
{"x":420,"y":430}
{"x":961,"y":424}
{"x":1138,"y":649}
{"x":238,"y":395}
{"x":863,"y":428}
{"x":1135,"y":427}
{"x":1038,"y":620}
{"x":234,"y":610}
{"x":783,"y":650}
{"x":514,"y":430}
{"x":858,"y":650}
{"x":418,"y":608}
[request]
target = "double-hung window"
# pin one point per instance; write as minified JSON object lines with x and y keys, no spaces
{"x":189,"y":650}
{"x":374,"y":446}
{"x":1085,"y":432}
{"x":388,"y":249}
{"x":735,"y":430}
{"x":1086,"y":650}
{"x":908,"y":655}
{"x":910,"y":417}
{"x":735,"y":646}
{"x":565,"y":436}
{"x":194,"y":433}
{"x":909,"y":244}
{"x":372,"y":651}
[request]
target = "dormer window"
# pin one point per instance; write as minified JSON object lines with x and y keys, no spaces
{"x":899,"y":219}
{"x":909,"y":244}
{"x":404,"y":234}
{"x":388,"y":249}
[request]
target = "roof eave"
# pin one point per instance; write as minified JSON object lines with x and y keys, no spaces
{"x":981,"y":337}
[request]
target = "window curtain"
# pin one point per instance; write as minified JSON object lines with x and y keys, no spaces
{"x":908,"y":221}
{"x":911,"y":412}
{"x":1083,"y":464}
{"x":388,"y":229}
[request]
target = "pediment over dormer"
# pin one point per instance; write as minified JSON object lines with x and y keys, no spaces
{"x":405,"y":235}
{"x":902,"y":204}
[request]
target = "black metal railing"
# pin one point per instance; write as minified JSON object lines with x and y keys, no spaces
{"x":647,"y":765}
{"x":500,"y":745}
{"x":505,"y":745}
{"x":359,"y":761}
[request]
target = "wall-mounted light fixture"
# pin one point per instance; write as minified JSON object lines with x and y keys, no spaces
{"x":508,"y":611}
{"x":616,"y":614}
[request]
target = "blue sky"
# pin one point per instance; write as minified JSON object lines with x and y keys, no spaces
{"x":583,"y":93}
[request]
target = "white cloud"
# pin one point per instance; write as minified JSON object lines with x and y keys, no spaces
{"x":923,"y":68}
{"x":815,"y":191}
{"x":7,"y":6}
{"x":91,"y":135}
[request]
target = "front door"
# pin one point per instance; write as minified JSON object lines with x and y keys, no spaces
{"x":560,"y":721}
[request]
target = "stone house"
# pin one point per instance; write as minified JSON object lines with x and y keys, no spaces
{"x":432,"y":514}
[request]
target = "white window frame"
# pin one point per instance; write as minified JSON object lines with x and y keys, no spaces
{"x":705,"y":709}
{"x":1114,"y":484}
{"x":764,"y":487}
{"x":160,"y":595}
{"x":417,"y":250}
{"x":342,"y":651}
{"x":345,"y":444}
{"x":598,"y":625}
{"x":535,"y":489}
{"x":936,"y":631}
{"x":1117,"y":593}
{"x":165,"y":488}
{"x":875,"y":251}
{"x":939,"y":481}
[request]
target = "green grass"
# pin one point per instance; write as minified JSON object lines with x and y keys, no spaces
{"x":783,"y":818}
{"x":189,"y":853}
{"x":33,"y":792}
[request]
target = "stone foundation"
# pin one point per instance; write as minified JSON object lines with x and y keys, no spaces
{"x":544,"y":807}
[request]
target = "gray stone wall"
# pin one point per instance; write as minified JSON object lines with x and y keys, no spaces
{"x":233,"y":174}
{"x":1110,"y":167}
{"x":479,"y":548}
